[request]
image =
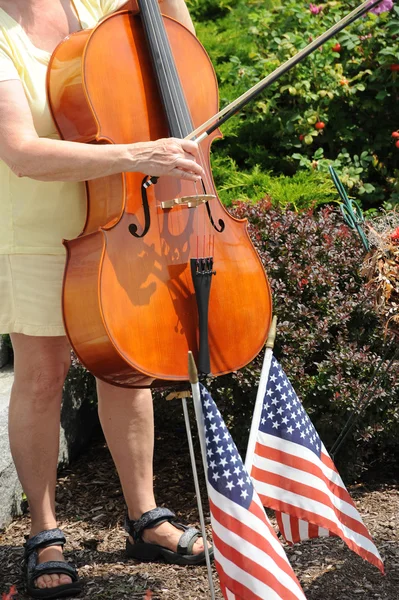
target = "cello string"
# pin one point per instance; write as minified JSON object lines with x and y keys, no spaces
{"x":181,"y":112}
{"x":155,"y":30}
{"x":154,"y":25}
{"x":164,"y":50}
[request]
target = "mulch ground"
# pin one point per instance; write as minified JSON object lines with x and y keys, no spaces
{"x":91,"y":510}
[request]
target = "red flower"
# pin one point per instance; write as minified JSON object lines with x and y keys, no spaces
{"x":394,"y":67}
{"x":395,"y":235}
{"x":11,"y":594}
{"x":303,"y":282}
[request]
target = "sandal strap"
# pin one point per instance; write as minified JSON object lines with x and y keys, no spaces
{"x":49,"y":537}
{"x":148,"y":520}
{"x":158,"y":515}
{"x":53,"y":567}
{"x":187,"y":540}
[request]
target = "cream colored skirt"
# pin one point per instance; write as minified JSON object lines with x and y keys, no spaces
{"x":30,"y":294}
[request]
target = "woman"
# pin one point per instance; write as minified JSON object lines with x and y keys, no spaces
{"x":42,"y":201}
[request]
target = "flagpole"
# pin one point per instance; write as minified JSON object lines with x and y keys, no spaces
{"x":267,"y":361}
{"x":192,"y":369}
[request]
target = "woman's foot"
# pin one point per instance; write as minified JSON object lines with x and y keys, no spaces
{"x":168,"y":536}
{"x":50,"y":581}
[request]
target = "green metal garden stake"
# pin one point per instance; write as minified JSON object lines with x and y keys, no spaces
{"x":350,"y":209}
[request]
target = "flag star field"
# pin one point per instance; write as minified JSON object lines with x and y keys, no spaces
{"x":283,"y":415}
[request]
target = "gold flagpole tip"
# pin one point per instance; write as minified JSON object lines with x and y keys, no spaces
{"x":272,"y":333}
{"x":192,"y":368}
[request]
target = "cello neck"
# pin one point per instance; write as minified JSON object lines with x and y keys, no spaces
{"x":169,"y":85}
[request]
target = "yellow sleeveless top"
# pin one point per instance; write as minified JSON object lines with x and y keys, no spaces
{"x":35,"y":216}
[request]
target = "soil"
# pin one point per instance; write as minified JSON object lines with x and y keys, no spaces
{"x":91,"y":510}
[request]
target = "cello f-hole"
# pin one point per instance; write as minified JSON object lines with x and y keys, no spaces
{"x":133,"y":229}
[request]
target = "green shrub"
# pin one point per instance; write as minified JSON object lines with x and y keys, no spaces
{"x":353,"y":92}
{"x":301,"y":191}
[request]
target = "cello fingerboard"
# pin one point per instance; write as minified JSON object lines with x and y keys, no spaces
{"x":170,"y":88}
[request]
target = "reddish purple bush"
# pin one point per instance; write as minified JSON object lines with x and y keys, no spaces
{"x":329,"y":339}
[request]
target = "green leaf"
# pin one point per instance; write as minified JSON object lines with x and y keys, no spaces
{"x":381,"y":95}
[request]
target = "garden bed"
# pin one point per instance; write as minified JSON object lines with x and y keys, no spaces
{"x":91,"y":510}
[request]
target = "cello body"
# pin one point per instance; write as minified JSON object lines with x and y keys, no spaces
{"x":129,"y":303}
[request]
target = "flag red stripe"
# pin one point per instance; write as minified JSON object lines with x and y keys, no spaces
{"x":249,"y":535}
{"x":314,"y":530}
{"x":222,"y":586}
{"x":322,"y":522}
{"x":294,"y":525}
{"x":307,"y":491}
{"x":302,"y":464}
{"x":234,"y":586}
{"x":280,"y":525}
{"x":253,"y":569}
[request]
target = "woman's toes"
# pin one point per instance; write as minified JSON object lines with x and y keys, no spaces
{"x":55,"y":580}
{"x":64,"y":579}
{"x":198,"y":546}
{"x":40,"y":583}
{"x":48,"y":582}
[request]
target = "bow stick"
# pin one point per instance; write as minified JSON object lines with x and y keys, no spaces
{"x":234,"y":107}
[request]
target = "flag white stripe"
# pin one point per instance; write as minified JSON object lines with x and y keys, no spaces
{"x":299,"y":451}
{"x":307,"y":479}
{"x":286,"y":527}
{"x":254,"y":553}
{"x":230,"y":595}
{"x":317,"y":507}
{"x":250,"y":520}
{"x":303,"y":527}
{"x":323,"y":532}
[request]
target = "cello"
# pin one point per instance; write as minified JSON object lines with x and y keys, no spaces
{"x":158,"y":270}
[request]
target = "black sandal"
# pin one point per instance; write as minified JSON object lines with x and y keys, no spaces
{"x":146,"y":551}
{"x":51,"y":537}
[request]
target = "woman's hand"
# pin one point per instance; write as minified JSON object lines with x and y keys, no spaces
{"x":168,"y":156}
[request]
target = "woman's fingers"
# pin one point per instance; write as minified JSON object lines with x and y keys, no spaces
{"x":183,"y":155}
{"x":190,"y":147}
{"x":191,"y":166}
{"x":184,"y":175}
{"x":169,"y":156}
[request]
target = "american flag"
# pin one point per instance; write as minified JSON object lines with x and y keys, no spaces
{"x":295,"y":476}
{"x":250,"y":560}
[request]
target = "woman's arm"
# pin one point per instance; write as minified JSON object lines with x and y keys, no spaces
{"x":57,"y":160}
{"x":177,"y":9}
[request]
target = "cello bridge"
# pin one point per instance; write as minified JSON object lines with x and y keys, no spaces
{"x":189,"y":201}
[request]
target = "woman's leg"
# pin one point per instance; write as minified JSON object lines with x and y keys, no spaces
{"x":127,"y":420}
{"x":40,"y":368}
